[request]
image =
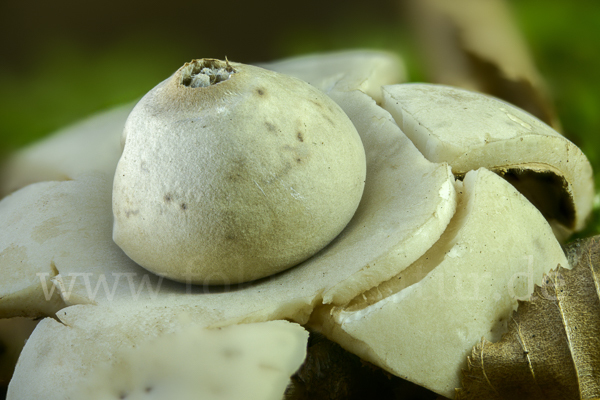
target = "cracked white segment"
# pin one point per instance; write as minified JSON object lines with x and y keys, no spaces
{"x":103,"y":353}
{"x":422,"y":323}
{"x":56,"y":244}
{"x":237,"y":362}
{"x":423,"y":203}
{"x":62,"y":353}
{"x":93,"y":144}
{"x":470,"y":130}
{"x":364,"y":70}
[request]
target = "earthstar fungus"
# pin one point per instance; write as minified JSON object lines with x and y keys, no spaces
{"x":374,"y":289}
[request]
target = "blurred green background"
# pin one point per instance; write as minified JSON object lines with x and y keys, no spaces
{"x":63,"y":60}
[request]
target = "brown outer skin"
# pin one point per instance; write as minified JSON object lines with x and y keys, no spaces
{"x":551,"y":350}
{"x":235,"y":181}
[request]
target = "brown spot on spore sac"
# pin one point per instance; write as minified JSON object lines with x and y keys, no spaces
{"x":299,"y":136}
{"x":268,"y":367}
{"x":270,"y":127}
{"x":298,"y":160}
{"x":231,"y":353}
{"x":237,"y":170}
{"x":129,"y":213}
{"x":261,"y":92}
{"x":316,"y":103}
{"x":167,"y":198}
{"x":183,"y":206}
{"x":234,"y":177}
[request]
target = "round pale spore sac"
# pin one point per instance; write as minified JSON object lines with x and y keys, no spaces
{"x":231,"y":173}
